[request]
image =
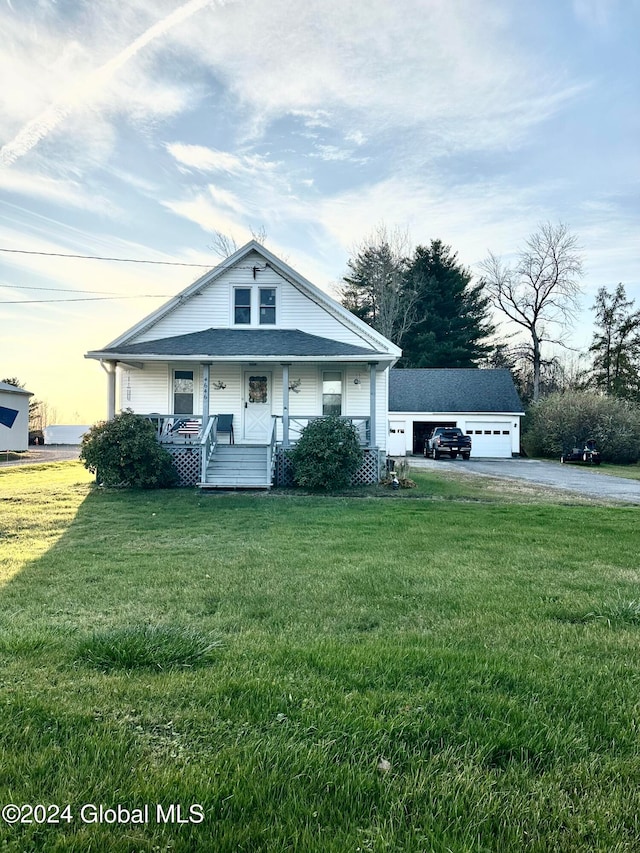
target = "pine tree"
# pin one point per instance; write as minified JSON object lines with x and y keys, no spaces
{"x":452,"y":316}
{"x":616,"y":344}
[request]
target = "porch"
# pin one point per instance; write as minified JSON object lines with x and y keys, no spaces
{"x":209,"y":456}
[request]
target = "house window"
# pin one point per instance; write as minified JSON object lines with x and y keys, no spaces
{"x":331,"y":393}
{"x":242,"y":305}
{"x":183,"y":392}
{"x":267,"y":306}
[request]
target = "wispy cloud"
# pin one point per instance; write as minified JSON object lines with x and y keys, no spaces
{"x":43,"y":124}
{"x":212,"y":160}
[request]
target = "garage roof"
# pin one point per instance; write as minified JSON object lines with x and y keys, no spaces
{"x":453,"y":390}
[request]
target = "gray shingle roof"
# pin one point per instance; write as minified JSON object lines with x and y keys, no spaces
{"x":241,"y":342}
{"x":452,"y":390}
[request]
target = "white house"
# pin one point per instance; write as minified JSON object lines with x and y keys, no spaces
{"x":254,"y":340}
{"x":14,"y":417}
{"x":482,"y":403}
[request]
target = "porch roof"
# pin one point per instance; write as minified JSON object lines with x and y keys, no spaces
{"x":240,"y":343}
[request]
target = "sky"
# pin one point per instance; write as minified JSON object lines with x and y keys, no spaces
{"x":137,"y":130}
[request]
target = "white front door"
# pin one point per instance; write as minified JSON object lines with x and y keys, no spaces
{"x":257,"y":405}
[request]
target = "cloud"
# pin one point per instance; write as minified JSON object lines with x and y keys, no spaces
{"x":419,"y":63}
{"x":88,"y":87}
{"x":65,"y":193}
{"x":212,"y":160}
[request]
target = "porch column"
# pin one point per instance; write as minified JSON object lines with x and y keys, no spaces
{"x":372,"y":403}
{"x":110,"y":368}
{"x":285,"y":405}
{"x":206,"y":377}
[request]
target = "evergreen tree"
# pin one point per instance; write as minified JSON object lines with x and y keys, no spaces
{"x":452,"y":320}
{"x":374,"y":284}
{"x":616,"y":344}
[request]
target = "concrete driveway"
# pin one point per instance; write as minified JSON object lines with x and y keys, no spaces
{"x":589,"y":482}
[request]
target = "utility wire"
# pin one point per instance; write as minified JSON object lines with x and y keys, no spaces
{"x":78,"y":290}
{"x":80,"y":299}
{"x":100,"y":258}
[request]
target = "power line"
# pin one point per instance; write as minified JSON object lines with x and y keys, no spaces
{"x":100,"y":258}
{"x":80,"y":299}
{"x":78,"y":290}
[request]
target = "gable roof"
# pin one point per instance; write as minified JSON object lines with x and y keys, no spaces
{"x":453,"y":390}
{"x":13,"y":389}
{"x":369,"y":335}
{"x":241,"y":343}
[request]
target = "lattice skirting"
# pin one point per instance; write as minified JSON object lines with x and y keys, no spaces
{"x":367,"y":473}
{"x":187,"y":461}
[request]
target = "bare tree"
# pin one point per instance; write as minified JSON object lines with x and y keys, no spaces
{"x":540,"y":292}
{"x":225,"y":245}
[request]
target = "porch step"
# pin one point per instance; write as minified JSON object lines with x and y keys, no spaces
{"x":238,"y":466}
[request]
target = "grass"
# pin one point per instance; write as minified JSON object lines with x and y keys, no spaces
{"x":432,"y":670}
{"x":631,"y":472}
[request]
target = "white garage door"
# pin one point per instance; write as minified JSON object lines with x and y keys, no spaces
{"x":490,"y":439}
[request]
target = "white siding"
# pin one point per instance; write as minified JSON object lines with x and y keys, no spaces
{"x":147,"y":390}
{"x":15,"y":437}
{"x":212,"y":307}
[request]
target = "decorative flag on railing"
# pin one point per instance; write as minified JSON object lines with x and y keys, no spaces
{"x":8,"y":416}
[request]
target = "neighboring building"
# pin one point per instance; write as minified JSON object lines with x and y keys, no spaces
{"x":14,"y":417}
{"x":483,"y":403}
{"x":65,"y":434}
{"x":253,"y":339}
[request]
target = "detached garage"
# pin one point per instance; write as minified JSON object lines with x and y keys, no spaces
{"x":482,"y":403}
{"x":14,"y":417}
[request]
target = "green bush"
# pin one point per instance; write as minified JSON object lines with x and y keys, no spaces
{"x":564,"y":420}
{"x":327,"y":454}
{"x":125,"y":452}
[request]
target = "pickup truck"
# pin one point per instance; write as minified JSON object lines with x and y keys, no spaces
{"x":449,"y":440}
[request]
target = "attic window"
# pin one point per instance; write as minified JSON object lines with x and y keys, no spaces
{"x":242,"y":306}
{"x":267,"y":306}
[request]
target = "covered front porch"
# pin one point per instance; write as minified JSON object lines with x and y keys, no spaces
{"x":228,"y":425}
{"x":208,"y":448}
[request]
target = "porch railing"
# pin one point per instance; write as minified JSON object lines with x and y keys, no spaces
{"x":176,"y":429}
{"x":208,"y":445}
{"x":298,"y":422}
{"x":271,"y":455}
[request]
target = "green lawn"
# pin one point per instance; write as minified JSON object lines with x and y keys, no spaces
{"x":261,"y":655}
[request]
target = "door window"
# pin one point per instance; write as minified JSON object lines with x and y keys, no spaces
{"x":258,"y":389}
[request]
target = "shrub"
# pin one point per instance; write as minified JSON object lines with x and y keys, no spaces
{"x":125,"y":452}
{"x":561,"y":421}
{"x":327,"y":454}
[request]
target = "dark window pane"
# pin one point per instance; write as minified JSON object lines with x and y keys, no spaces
{"x":331,"y":404}
{"x":267,"y":316}
{"x":242,"y":305}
